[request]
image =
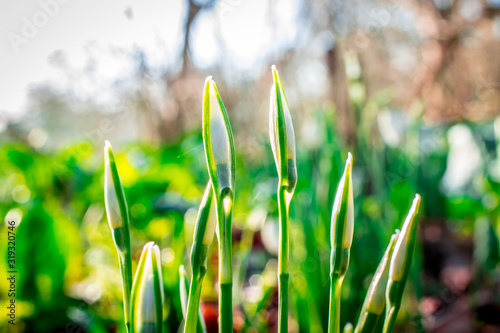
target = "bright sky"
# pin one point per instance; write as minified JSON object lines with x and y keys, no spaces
{"x":100,"y":30}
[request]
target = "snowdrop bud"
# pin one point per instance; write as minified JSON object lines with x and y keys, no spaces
{"x":218,"y":132}
{"x":279,"y":111}
{"x":217,"y":137}
{"x":111,"y":189}
{"x":207,"y":215}
{"x":348,"y":328}
{"x":147,"y":292}
{"x":404,"y":246}
{"x":156,"y":258}
{"x":211,"y":224}
{"x":343,"y":209}
{"x":376,"y":292}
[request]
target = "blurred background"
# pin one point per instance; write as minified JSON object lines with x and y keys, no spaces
{"x":411,"y":88}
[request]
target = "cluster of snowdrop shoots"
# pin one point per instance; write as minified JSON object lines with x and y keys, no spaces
{"x":143,"y":295}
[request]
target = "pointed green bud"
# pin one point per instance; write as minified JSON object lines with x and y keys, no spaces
{"x":114,"y":198}
{"x":375,"y":297}
{"x":403,"y":250}
{"x":348,"y":328}
{"x":218,"y":139}
{"x":343,"y":209}
{"x":207,"y":218}
{"x":401,"y":259}
{"x":282,"y":134}
{"x":147,"y":292}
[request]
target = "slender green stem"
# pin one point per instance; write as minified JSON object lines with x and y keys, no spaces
{"x":192,"y":316}
{"x":121,"y":237}
{"x":390,"y":318}
{"x":334,"y":317}
{"x":283,"y":302}
{"x":126,"y":272}
{"x":394,"y":294}
{"x":283,"y":267}
{"x":184,"y":289}
{"x":226,"y":308}
{"x":224,"y":213}
{"x":199,"y":267}
{"x":203,"y":234}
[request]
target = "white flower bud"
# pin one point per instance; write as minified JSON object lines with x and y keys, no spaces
{"x":218,"y":132}
{"x":376,"y":292}
{"x":149,"y":281}
{"x":274,"y":130}
{"x":348,"y":201}
{"x":273,"y":115}
{"x":400,"y":256}
{"x":217,"y":138}
{"x":110,"y":196}
{"x":211,"y":224}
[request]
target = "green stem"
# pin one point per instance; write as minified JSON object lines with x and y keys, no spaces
{"x":224,"y":213}
{"x":226,"y":308}
{"x":192,"y":320}
{"x":390,"y":318}
{"x":283,"y":268}
{"x":125,"y":261}
{"x":334,"y":317}
{"x":128,"y":279}
{"x":199,"y":266}
{"x":394,"y":295}
{"x":283,"y":302}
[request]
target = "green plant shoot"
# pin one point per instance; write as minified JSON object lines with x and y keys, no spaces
{"x":400,"y":265}
{"x":374,"y":305}
{"x":283,"y":145}
{"x":341,"y":240}
{"x":202,"y":238}
{"x":183,"y":291}
{"x":117,"y":213}
{"x":147,"y":292}
{"x":219,"y":151}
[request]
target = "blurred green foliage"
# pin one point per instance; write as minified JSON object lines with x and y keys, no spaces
{"x":68,"y":275}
